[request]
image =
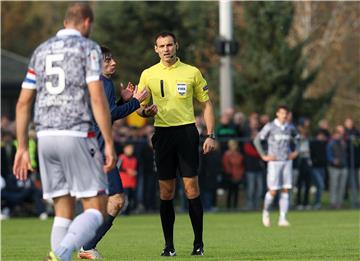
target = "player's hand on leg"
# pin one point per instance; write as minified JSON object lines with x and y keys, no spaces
{"x":22,"y":164}
{"x":110,"y":157}
{"x":268,"y":158}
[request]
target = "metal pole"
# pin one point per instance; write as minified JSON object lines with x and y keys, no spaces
{"x":226,"y":84}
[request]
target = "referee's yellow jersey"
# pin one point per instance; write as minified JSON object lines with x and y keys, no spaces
{"x":172,"y":89}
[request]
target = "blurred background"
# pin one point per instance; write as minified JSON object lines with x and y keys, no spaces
{"x":303,"y":54}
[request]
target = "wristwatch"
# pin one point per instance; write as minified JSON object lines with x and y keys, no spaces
{"x":211,"y":136}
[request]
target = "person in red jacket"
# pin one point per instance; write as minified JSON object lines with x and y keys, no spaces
{"x":233,"y":163}
{"x":128,"y":174}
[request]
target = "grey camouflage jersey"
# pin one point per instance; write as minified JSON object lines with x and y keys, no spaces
{"x":60,"y":69}
{"x":279,"y":138}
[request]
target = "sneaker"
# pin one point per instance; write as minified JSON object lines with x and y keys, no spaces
{"x":51,"y":257}
{"x":266,"y":220}
{"x":168,"y":252}
{"x":283,"y":223}
{"x":198,"y":251}
{"x":89,"y":254}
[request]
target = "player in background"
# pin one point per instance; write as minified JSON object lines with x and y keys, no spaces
{"x":129,"y":102}
{"x":64,"y":77}
{"x":279,"y":134}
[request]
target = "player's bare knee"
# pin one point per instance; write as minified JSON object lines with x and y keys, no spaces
{"x":273,"y":192}
{"x":118,"y":201}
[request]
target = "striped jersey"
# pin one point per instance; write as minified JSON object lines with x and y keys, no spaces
{"x":59,"y":71}
{"x":279,"y":137}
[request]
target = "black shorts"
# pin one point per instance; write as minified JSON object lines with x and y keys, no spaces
{"x":176,"y":149}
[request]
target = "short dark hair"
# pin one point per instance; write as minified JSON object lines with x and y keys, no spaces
{"x":78,"y":12}
{"x":282,"y":107}
{"x":105,"y":51}
{"x":164,"y":34}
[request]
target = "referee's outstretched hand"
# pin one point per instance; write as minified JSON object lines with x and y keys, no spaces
{"x":209,"y":145}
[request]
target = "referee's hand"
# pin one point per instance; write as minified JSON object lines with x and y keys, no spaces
{"x":209,"y":145}
{"x":110,"y":157}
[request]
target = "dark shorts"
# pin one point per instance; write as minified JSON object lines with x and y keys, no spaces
{"x":176,"y":149}
{"x":114,"y":180}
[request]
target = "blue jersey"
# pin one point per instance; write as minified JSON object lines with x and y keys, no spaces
{"x":116,"y":111}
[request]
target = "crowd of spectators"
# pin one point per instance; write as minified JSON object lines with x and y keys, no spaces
{"x":232,"y":177}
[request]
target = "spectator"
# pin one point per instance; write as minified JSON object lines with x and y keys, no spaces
{"x":128,"y":173}
{"x":323,"y":126}
{"x":225,"y":130}
{"x":336,"y":157}
{"x":352,"y":138}
{"x":209,"y":172}
{"x":233,"y":163}
{"x":304,"y":166}
{"x":254,"y":169}
{"x":149,"y":171}
{"x":319,"y":164}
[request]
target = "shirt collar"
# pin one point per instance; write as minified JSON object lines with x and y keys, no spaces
{"x":278,"y":123}
{"x":66,"y":32}
{"x":176,"y":64}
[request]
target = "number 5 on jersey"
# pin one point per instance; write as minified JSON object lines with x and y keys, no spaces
{"x":51,"y":70}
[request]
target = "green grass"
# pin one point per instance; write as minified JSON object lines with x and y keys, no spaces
{"x":321,"y":235}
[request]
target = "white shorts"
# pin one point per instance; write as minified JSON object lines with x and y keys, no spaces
{"x":279,"y":175}
{"x":71,"y":165}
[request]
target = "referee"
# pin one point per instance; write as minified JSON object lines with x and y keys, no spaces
{"x":172,"y":85}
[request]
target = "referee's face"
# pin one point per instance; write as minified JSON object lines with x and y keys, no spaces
{"x":166,"y":49}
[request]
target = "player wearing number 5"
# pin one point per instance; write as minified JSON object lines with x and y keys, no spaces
{"x":64,"y":78}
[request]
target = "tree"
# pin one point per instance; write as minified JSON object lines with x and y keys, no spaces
{"x":272,"y":71}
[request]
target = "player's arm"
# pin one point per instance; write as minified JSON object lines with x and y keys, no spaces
{"x":296,"y":139}
{"x":22,"y":161}
{"x":257,"y":143}
{"x":209,"y":118}
{"x":101,"y":113}
{"x":121,"y":111}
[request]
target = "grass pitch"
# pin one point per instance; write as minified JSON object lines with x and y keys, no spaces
{"x":320,"y":235}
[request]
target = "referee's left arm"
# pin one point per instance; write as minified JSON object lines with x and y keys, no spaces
{"x":209,"y":144}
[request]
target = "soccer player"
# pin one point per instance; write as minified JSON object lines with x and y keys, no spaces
{"x":118,"y":110}
{"x":64,"y":77}
{"x":279,"y":134}
{"x":172,"y":86}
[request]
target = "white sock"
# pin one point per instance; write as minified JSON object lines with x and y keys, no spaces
{"x":284,"y":204}
{"x":268,"y":201}
{"x":59,"y":230}
{"x":81,"y":230}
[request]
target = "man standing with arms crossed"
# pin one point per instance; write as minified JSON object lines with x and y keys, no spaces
{"x":118,"y":110}
{"x":64,"y":76}
{"x":279,"y":134}
{"x":172,"y":85}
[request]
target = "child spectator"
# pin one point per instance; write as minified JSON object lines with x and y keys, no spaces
{"x":233,"y":163}
{"x":128,"y":173}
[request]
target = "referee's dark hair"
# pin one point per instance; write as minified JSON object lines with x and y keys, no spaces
{"x":164,"y":34}
{"x":284,"y":107}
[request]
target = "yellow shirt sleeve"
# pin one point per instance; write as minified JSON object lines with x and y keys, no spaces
{"x":143,"y":83}
{"x":200,"y":87}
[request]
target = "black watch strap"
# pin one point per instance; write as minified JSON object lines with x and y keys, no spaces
{"x":211,"y":136}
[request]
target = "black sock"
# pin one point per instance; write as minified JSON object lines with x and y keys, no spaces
{"x":196,"y":215}
{"x":101,"y":231}
{"x":167,"y":215}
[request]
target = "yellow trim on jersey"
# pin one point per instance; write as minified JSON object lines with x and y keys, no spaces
{"x":172,"y":89}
